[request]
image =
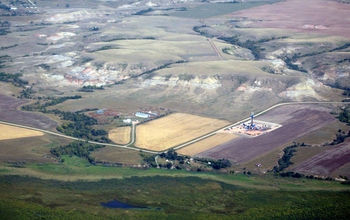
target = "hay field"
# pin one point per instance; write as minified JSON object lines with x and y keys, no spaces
{"x":206,"y":144}
{"x":175,"y":129}
{"x":12,"y":132}
{"x":120,"y":135}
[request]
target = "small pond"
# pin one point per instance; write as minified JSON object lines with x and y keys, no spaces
{"x":114,"y":204}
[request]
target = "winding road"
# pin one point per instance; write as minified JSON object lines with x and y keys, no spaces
{"x":133,"y":134}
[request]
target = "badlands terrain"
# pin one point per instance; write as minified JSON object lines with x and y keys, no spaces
{"x":187,"y":109}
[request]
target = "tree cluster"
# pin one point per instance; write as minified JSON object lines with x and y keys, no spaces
{"x":344,"y":115}
{"x":50,"y":101}
{"x":13,"y":78}
{"x":79,"y":149}
{"x":90,"y":88}
{"x":216,"y":164}
{"x":284,"y":161}
{"x":250,"y":44}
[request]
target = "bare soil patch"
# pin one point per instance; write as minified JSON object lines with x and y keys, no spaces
{"x":326,"y":162}
{"x":296,"y":121}
{"x":11,"y":132}
{"x":120,"y":135}
{"x":313,"y":16}
{"x":175,"y":129}
{"x":9,"y":112}
{"x":206,"y":144}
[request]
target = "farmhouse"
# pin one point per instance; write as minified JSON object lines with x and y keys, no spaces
{"x":142,"y":115}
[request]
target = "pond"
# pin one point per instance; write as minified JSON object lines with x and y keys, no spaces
{"x":114,"y":204}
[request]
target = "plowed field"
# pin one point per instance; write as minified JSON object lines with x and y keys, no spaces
{"x":9,"y":112}
{"x":175,"y":129}
{"x":296,"y":121}
{"x":326,"y":162}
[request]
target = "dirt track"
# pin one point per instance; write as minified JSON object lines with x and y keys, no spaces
{"x":296,"y":121}
{"x":326,"y":162}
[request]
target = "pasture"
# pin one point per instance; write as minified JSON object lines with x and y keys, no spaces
{"x":206,"y":144}
{"x":117,"y":155}
{"x":175,"y":129}
{"x":11,"y":132}
{"x":120,"y":135}
{"x":29,"y":149}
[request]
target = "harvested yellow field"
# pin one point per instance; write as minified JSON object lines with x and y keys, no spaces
{"x":11,"y":132}
{"x":206,"y":144}
{"x":175,"y":129}
{"x":120,"y":135}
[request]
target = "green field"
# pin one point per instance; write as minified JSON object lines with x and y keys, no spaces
{"x":173,"y":197}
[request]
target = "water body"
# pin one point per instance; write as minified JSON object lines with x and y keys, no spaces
{"x":114,"y":204}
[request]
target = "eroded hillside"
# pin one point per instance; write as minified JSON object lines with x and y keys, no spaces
{"x":175,"y":54}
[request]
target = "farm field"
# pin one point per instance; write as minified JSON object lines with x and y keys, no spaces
{"x":326,"y":162}
{"x":117,"y":155}
{"x":296,"y":15}
{"x":174,"y":129}
{"x":9,"y":112}
{"x":296,"y":121}
{"x":28,"y":149}
{"x":206,"y":144}
{"x":120,"y":135}
{"x":12,"y":132}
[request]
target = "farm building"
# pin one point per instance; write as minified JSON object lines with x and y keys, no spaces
{"x":101,"y":111}
{"x":142,"y":115}
{"x":128,"y":121}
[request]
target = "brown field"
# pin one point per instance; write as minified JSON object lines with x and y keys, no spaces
{"x":117,"y":155}
{"x":206,"y":144}
{"x":120,"y":135}
{"x":296,"y":121}
{"x":9,"y":112}
{"x":12,"y":132}
{"x":326,"y":162}
{"x":313,"y":16}
{"x":175,"y":129}
{"x":28,"y":149}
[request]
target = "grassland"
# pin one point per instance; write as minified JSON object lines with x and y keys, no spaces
{"x":167,"y":132}
{"x":117,"y":155}
{"x":29,"y":149}
{"x":169,"y":197}
{"x":120,"y":135}
{"x":12,"y":132}
{"x":206,"y":144}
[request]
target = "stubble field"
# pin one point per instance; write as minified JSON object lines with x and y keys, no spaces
{"x":206,"y":144}
{"x":120,"y":135}
{"x":175,"y":129}
{"x":11,"y":132}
